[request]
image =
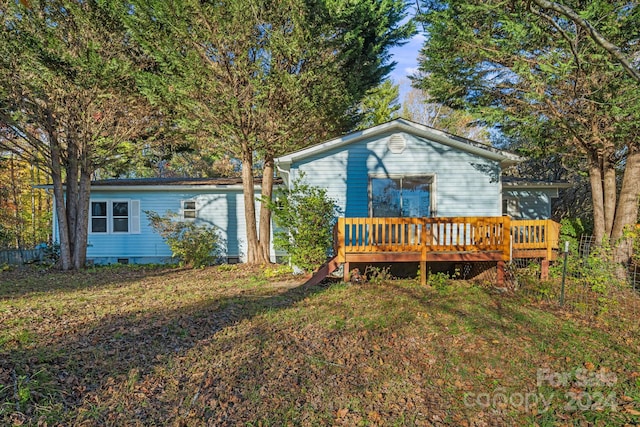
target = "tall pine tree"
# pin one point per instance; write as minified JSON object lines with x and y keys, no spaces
{"x":256,"y":79}
{"x":544,"y":78}
{"x":68,"y":97}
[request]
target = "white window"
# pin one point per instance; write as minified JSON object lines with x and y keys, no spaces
{"x":188,"y":209}
{"x":120,"y":217}
{"x":115,"y":216}
{"x":98,"y":217}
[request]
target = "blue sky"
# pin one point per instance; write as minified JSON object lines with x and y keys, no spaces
{"x":407,"y":58}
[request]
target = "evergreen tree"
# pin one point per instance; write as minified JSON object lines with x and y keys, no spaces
{"x":68,"y":96}
{"x":379,"y":105}
{"x":545,"y":76}
{"x":256,"y":79}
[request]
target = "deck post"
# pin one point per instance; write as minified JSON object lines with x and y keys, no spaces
{"x":340,"y":238}
{"x":547,"y":241}
{"x":345,"y":272}
{"x":500,"y":278}
{"x":506,"y":238}
{"x":424,"y":273}
{"x":544,"y":270}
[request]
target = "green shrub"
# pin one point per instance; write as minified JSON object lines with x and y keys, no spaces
{"x":304,"y":216}
{"x":440,"y":281}
{"x":193,"y":244}
{"x":378,"y":275}
{"x":633,"y":233}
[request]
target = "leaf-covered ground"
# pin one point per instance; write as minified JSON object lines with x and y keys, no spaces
{"x":234,"y":346}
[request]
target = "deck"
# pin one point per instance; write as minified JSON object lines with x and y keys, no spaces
{"x":459,"y":239}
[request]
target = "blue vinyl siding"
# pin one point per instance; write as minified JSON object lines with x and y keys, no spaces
{"x":464,"y":184}
{"x":529,"y":203}
{"x":223,"y":209}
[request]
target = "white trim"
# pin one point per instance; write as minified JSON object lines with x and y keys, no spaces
{"x":133,"y":216}
{"x":163,"y":187}
{"x":519,"y":187}
{"x":195,"y":209}
{"x":112,"y":217}
{"x":105,"y":217}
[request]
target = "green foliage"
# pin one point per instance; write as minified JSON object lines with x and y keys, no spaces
{"x":571,"y":229}
{"x":439,"y":281}
{"x":303,"y":216}
{"x":256,"y":79}
{"x":633,"y":233}
{"x":379,"y":105}
{"x":377,"y":275}
{"x":540,"y":79}
{"x":596,"y":272}
{"x":277,"y":270}
{"x":70,"y":101}
{"x":194,"y":245}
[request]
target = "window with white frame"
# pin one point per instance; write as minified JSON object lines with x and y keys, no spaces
{"x":115,"y":216}
{"x":98,"y":217}
{"x":120,"y":217}
{"x":188,"y":209}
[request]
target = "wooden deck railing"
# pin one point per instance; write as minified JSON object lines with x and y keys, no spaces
{"x":534,"y":238}
{"x":422,"y":235}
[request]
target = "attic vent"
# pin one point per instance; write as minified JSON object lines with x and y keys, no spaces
{"x":397,"y":143}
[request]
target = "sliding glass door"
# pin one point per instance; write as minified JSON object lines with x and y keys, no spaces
{"x":401,"y":196}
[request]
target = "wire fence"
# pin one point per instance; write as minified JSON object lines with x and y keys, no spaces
{"x":590,"y":291}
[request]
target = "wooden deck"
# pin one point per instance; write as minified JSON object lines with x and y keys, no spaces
{"x":459,"y":239}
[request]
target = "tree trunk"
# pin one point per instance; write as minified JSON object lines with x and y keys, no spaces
{"x":253,"y":249}
{"x":16,"y":202}
{"x":82,"y":221}
{"x":61,"y":210}
{"x":265,"y":212}
{"x":597,"y":194}
{"x":627,"y":212}
{"x":72,"y":179}
{"x":609,"y":194}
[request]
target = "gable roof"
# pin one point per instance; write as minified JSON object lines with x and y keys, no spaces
{"x":402,"y":125}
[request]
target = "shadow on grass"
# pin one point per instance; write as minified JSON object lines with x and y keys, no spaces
{"x":70,"y":370}
{"x":33,"y":279}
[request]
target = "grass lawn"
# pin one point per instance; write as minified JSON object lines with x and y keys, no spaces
{"x":233,"y":346}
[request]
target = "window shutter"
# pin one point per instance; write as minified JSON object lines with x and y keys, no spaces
{"x":135,"y":217}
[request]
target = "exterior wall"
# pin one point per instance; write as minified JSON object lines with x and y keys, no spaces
{"x":223,"y":209}
{"x":528,"y":203}
{"x":465,"y":184}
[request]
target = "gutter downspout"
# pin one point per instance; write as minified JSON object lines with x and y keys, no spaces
{"x":287,"y":172}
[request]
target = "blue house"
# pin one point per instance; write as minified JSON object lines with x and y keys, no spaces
{"x":119,"y":231}
{"x":397,"y":169}
{"x":404,"y":169}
